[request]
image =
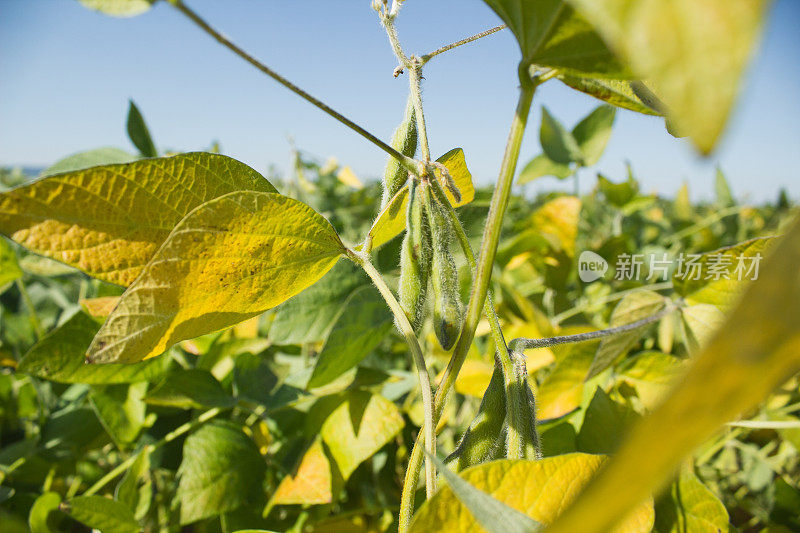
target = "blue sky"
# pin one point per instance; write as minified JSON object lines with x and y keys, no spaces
{"x":66,"y":75}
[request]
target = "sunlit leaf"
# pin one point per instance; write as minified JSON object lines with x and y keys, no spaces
{"x":221,"y":471}
{"x":719,"y":277}
{"x":119,"y":8}
{"x":557,"y":221}
{"x":309,"y":483}
{"x":693,"y":51}
{"x":690,"y":506}
{"x":633,"y":307}
{"x":229,"y":260}
{"x":361,"y":425}
{"x":549,"y":486}
{"x":619,"y":194}
{"x":757,"y":350}
{"x":362,"y":324}
{"x":562,"y":390}
{"x":392,"y":220}
{"x":700,"y":322}
{"x":90,"y":158}
{"x":109,"y":221}
{"x":651,"y":374}
{"x":9,"y":267}
{"x":102,"y":514}
{"x":43,"y":514}
{"x":551,"y":34}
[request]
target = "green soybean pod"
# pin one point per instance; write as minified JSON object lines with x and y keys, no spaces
{"x":415,"y":258}
{"x":444,"y":277}
{"x":404,"y":141}
{"x":526,"y":401}
{"x":484,"y":439}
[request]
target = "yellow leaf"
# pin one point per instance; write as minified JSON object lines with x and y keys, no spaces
{"x":540,"y":489}
{"x":756,"y":351}
{"x":392,"y":220}
{"x":99,"y":308}
{"x":693,"y":51}
{"x":557,"y":221}
{"x":230,"y":259}
{"x":309,"y":484}
{"x":349,"y":178}
{"x":561,"y":392}
{"x":109,"y":220}
{"x":474,"y":377}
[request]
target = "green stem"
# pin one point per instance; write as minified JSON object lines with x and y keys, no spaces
{"x":578,"y":309}
{"x":169,"y":437}
{"x":34,"y":317}
{"x":443,"y":49}
{"x":719,"y":215}
{"x":515,"y":413}
{"x":415,"y":84}
{"x":429,"y":425}
{"x":407,"y":162}
{"x":491,"y":236}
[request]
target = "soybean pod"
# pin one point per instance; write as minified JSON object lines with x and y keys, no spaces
{"x":415,"y":258}
{"x":404,"y":141}
{"x":447,"y":311}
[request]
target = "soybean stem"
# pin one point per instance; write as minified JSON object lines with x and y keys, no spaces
{"x":169,"y":437}
{"x":429,"y":426}
{"x":407,"y":162}
{"x":427,"y":57}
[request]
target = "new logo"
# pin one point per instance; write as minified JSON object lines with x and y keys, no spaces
{"x":591,"y":266}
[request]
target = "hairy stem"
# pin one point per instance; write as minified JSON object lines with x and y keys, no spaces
{"x":515,"y":440}
{"x":427,"y":57}
{"x":169,"y":437}
{"x":429,"y":425}
{"x":480,"y":287}
{"x":415,"y":84}
{"x":407,"y":162}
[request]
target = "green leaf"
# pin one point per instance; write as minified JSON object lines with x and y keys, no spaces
{"x":700,"y":322}
{"x":559,"y":144}
{"x":135,"y":489}
{"x":756,"y":351}
{"x":60,"y":357}
{"x":559,"y":439}
{"x":90,"y":158}
{"x":190,"y":389}
{"x":616,"y":92}
{"x":109,"y":220}
{"x":619,"y":194}
{"x":221,"y":471}
{"x":362,"y":324}
{"x":551,"y":34}
{"x":253,"y":379}
{"x":101,"y":513}
{"x":651,"y":374}
{"x":719,"y":277}
{"x":541,"y":166}
{"x":138,"y":132}
{"x":603,"y":425}
{"x":592,"y":133}
{"x":360,"y":426}
{"x":121,"y":410}
{"x":693,"y":51}
{"x":633,"y":307}
{"x":690,"y":506}
{"x":309,"y":316}
{"x":43,"y":515}
{"x":9,"y":267}
{"x":493,"y":515}
{"x":723,"y":190}
{"x":230,"y":259}
{"x":549,"y":486}
{"x":119,"y":8}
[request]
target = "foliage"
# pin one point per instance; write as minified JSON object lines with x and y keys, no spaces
{"x":246,"y":374}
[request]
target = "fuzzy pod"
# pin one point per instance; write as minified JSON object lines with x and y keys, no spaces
{"x":404,"y":141}
{"x":415,"y":259}
{"x":526,"y":402}
{"x":447,"y":311}
{"x":485,"y":438}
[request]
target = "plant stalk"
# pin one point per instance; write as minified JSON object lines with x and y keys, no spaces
{"x":427,"y":57}
{"x":429,"y":425}
{"x":407,"y":162}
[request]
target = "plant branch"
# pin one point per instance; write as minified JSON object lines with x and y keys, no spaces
{"x":169,"y":437}
{"x":34,"y":317}
{"x":480,"y":287}
{"x":517,"y":345}
{"x":427,"y":57}
{"x":580,"y":308}
{"x":429,"y":429}
{"x":407,"y":162}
